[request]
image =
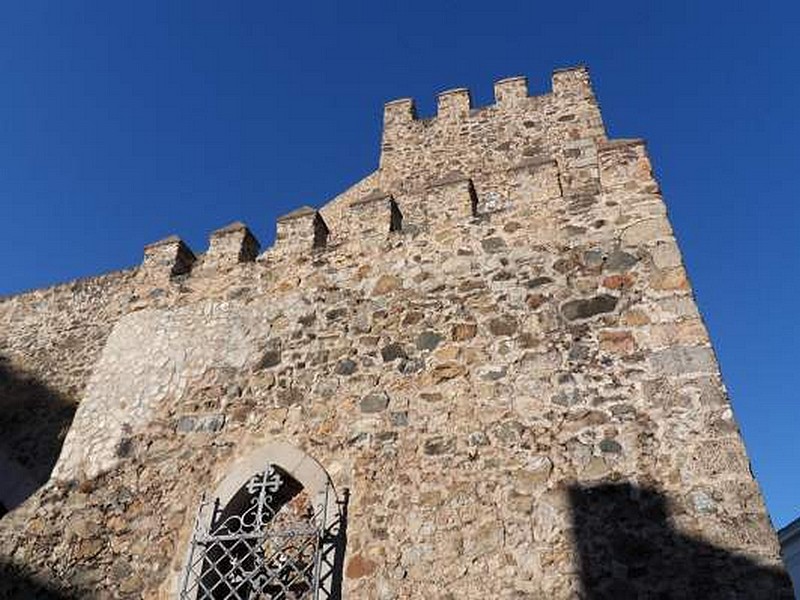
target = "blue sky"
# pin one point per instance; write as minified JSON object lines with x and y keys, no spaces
{"x":121,"y":123}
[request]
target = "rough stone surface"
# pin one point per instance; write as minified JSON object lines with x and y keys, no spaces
{"x":681,"y":360}
{"x":585,"y":309}
{"x":375,"y":402}
{"x":494,"y":376}
{"x":428,"y":340}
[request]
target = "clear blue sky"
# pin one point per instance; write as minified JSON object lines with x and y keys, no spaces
{"x":121,"y":123}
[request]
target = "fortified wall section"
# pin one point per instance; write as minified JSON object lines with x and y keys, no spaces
{"x":49,"y":342}
{"x":560,"y":129}
{"x":497,"y":353}
{"x":57,"y":332}
{"x":516,"y":128}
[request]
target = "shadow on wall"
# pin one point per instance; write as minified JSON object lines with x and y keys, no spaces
{"x":34,"y":419}
{"x":17,"y":582}
{"x":628,"y":549}
{"x":334,"y":546}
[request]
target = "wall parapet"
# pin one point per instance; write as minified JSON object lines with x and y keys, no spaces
{"x":453,"y":104}
{"x":568,"y":111}
{"x":301,"y":230}
{"x":508,"y":91}
{"x":231,"y":245}
{"x":168,"y":257}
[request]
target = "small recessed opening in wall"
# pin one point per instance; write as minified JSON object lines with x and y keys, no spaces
{"x":320,"y":232}
{"x":396,"y":219}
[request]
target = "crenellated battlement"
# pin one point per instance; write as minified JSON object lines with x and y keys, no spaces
{"x":455,"y":166}
{"x":301,"y":230}
{"x":496,"y":137}
{"x":169,"y":257}
{"x":509,"y":93}
{"x":522,"y":152}
{"x":232,"y":244}
{"x":453,"y":105}
{"x":460,"y":164}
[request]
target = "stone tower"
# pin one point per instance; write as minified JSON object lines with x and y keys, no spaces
{"x":477,"y":373}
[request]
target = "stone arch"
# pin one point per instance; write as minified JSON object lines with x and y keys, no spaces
{"x":306,"y":474}
{"x":302,"y":467}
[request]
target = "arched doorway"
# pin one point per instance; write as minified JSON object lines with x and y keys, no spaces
{"x":275,"y":534}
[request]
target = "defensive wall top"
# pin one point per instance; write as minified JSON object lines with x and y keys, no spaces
{"x":509,"y":93}
{"x":461,"y":149}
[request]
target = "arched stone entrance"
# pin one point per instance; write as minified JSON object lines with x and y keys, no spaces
{"x":273,"y":528}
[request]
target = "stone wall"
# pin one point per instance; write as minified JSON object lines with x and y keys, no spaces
{"x":491,"y":342}
{"x":49,"y":342}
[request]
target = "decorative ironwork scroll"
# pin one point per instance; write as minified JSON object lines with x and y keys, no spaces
{"x":265,"y":543}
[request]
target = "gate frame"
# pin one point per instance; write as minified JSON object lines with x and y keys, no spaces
{"x":301,"y":467}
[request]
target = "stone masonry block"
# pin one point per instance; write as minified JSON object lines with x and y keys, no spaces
{"x":683,"y":360}
{"x":200,"y":423}
{"x":535,"y":180}
{"x":231,"y":245}
{"x":647,"y":231}
{"x":510,"y":91}
{"x":572,"y":81}
{"x":624,"y":163}
{"x":376,"y":214}
{"x":167,"y":258}
{"x":452,"y":197}
{"x":453,"y":104}
{"x":301,"y":230}
{"x":400,"y":111}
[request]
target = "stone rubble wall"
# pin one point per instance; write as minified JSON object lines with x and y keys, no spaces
{"x":562,"y":125}
{"x":57,"y":333}
{"x":530,"y":328}
{"x":49,"y":342}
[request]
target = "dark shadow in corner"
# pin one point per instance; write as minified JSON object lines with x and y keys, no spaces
{"x":17,"y":582}
{"x":628,"y":550}
{"x":34,"y":419}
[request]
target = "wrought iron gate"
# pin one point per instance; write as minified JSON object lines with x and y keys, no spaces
{"x":257,"y":547}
